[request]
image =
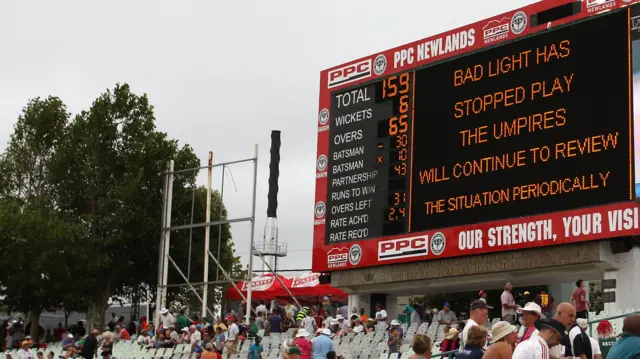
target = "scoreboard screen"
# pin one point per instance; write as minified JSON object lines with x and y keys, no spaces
{"x":539,"y":125}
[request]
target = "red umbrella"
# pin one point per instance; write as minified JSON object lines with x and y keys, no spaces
{"x":308,"y":285}
{"x":265,"y":287}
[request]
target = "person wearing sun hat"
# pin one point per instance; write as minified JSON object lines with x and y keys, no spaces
{"x":530,"y":314}
{"x":503,"y":337}
{"x":322,"y":345}
{"x":301,"y":341}
{"x":25,"y":352}
{"x":166,"y":318}
{"x":451,"y":341}
{"x":552,"y":332}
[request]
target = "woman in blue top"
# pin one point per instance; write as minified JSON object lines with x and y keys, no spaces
{"x":255,"y":350}
{"x":475,"y":341}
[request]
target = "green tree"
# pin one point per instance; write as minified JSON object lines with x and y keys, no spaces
{"x":108,"y":174}
{"x":35,"y":237}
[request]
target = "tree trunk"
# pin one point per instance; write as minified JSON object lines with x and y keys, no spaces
{"x":66,"y":318}
{"x":34,"y":319}
{"x":97,"y":307}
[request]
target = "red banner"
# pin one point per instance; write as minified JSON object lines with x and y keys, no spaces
{"x":586,"y":224}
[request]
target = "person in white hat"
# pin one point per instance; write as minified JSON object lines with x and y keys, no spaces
{"x":595,"y":346}
{"x":450,"y":341}
{"x":530,"y":314}
{"x":503,"y":337}
{"x":343,"y":323}
{"x":322,"y":345}
{"x":357,"y":326}
{"x":396,"y":324}
{"x":166,"y":318}
{"x":302,"y":342}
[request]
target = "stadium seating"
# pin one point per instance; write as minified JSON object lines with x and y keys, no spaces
{"x":352,"y":346}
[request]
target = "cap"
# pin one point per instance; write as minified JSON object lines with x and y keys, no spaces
{"x":553,"y":324}
{"x":479,"y":304}
{"x":582,"y":323}
{"x":339,"y":317}
{"x":481,"y":293}
{"x":294,"y":351}
{"x":209,"y":346}
{"x":70,"y":336}
{"x":526,"y":292}
{"x":185,"y":329}
{"x":500,"y":330}
{"x":446,"y":304}
{"x":395,"y":322}
{"x":164,"y":311}
{"x":326,"y":331}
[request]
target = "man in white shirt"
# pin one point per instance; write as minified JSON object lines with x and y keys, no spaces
{"x":231,"y":337}
{"x":309,"y":323}
{"x":24,"y":352}
{"x":596,"y":353}
{"x":552,"y":332}
{"x":508,"y":305}
{"x":261,"y":307}
{"x":479,"y":314}
{"x":167,"y":318}
{"x":381,"y":316}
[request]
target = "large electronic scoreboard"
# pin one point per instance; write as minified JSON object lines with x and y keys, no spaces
{"x":514,"y":132}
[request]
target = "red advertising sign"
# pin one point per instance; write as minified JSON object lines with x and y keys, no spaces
{"x":587,"y":224}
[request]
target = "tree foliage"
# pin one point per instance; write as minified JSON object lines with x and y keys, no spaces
{"x":37,"y":240}
{"x":81,"y":202}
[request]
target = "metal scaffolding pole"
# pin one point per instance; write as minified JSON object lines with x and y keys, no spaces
{"x":253,"y":230}
{"x":216,"y":165}
{"x":193,"y":289}
{"x":167,"y":238}
{"x":213,"y":223}
{"x":220,"y":219}
{"x":230,"y":280}
{"x":156,"y":320}
{"x":164,"y":258}
{"x":207,"y":234}
{"x":278,"y":278}
{"x":193,"y":205}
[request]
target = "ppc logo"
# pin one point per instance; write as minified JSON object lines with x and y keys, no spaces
{"x":337,"y":257}
{"x":349,"y":73}
{"x":496,"y":30}
{"x":402,"y":248}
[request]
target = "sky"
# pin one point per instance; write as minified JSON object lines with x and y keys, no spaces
{"x":221,"y":75}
